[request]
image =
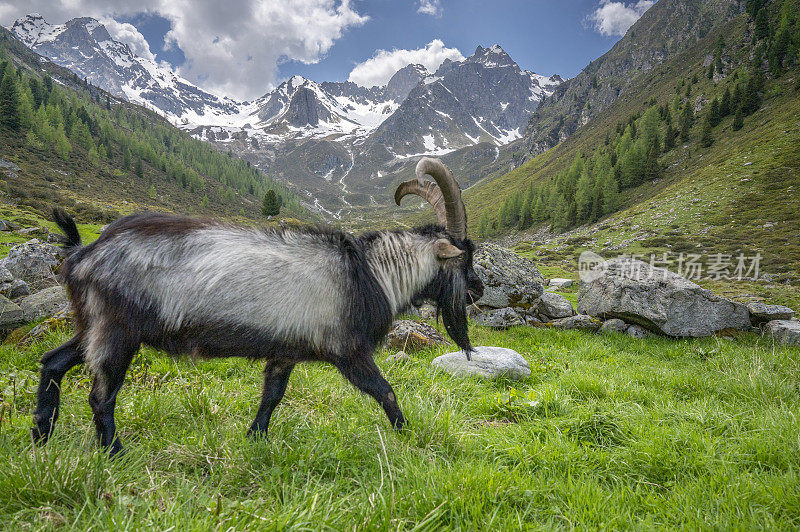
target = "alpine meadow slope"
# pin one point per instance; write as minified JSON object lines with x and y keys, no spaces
{"x":75,"y":145}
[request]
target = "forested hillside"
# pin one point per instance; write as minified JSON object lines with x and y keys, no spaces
{"x":73,"y":144}
{"x":727,"y":98}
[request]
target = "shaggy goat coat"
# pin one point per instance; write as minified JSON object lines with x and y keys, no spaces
{"x":205,"y":288}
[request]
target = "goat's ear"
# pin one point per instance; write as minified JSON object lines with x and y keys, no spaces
{"x":445,"y":250}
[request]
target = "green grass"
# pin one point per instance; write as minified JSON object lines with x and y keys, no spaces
{"x":608,"y":431}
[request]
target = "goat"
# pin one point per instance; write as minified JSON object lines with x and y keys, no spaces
{"x":210,"y":289}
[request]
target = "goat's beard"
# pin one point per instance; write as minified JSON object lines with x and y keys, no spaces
{"x":451,"y":300}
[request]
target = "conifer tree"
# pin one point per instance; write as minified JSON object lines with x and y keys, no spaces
{"x":738,"y":120}
{"x":714,"y":114}
{"x":670,"y":136}
{"x":271,"y":206}
{"x":610,"y":195}
{"x":706,"y":136}
{"x":62,"y":145}
{"x":761,"y":30}
{"x":725,"y":104}
{"x":652,"y":169}
{"x":9,"y":100}
{"x":686,"y":122}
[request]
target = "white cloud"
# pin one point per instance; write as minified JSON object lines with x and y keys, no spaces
{"x":430,"y":7}
{"x":614,"y":18}
{"x":127,"y":33}
{"x":380,"y":67}
{"x":231,"y":47}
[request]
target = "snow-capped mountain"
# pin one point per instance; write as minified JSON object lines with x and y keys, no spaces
{"x":340,"y":144}
{"x":84,"y":46}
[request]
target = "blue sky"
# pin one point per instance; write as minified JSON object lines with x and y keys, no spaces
{"x":544,"y":36}
{"x":243,"y":48}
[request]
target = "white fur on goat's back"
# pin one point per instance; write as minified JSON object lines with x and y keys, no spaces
{"x":290,"y":286}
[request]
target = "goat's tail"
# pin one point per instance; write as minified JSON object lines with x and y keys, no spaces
{"x":67,"y":225}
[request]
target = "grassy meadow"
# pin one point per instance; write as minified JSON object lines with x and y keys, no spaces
{"x":607,"y":432}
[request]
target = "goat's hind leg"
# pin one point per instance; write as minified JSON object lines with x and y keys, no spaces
{"x":55,"y":365}
{"x":276,"y":377}
{"x":109,"y":352}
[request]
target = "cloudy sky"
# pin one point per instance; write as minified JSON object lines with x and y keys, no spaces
{"x":243,"y":48}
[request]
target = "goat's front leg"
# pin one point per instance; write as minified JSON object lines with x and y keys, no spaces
{"x":366,"y":376}
{"x":276,"y":377}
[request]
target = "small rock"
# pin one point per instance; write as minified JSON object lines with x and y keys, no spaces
{"x":767,"y":278}
{"x":14,"y":289}
{"x":580,"y":321}
{"x":10,"y":314}
{"x":783,"y":332}
{"x":762,"y":313}
{"x":427,"y":311}
{"x":555,"y":306}
{"x":614,"y":325}
{"x":560,"y":283}
{"x":637,"y":331}
{"x":501,"y":318}
{"x":487,"y":362}
{"x":43,"y":303}
{"x":5,"y":275}
{"x":412,"y":335}
{"x":400,"y":356}
{"x":5,"y":225}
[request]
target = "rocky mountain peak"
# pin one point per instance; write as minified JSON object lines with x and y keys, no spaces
{"x":493,"y":56}
{"x":404,"y":80}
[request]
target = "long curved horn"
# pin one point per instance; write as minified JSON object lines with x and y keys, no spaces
{"x":444,"y":195}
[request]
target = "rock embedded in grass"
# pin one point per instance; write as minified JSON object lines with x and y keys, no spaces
{"x":555,"y":306}
{"x":10,"y":314}
{"x":614,"y":325}
{"x":43,"y":303}
{"x":637,"y":331}
{"x":411,"y":335}
{"x":762,"y":313}
{"x":579,"y":321}
{"x":501,"y":318}
{"x":557,"y":282}
{"x":658,"y":299}
{"x":487,"y":362}
{"x":783,"y":332}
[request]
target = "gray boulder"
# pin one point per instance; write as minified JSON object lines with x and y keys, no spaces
{"x":555,"y":306}
{"x":508,"y":279}
{"x":34,"y":262}
{"x":487,"y":362}
{"x":580,"y":321}
{"x":5,"y":275}
{"x":783,"y":332}
{"x":560,"y":283}
{"x":657,"y":299}
{"x":637,"y":331}
{"x":614,"y":325}
{"x":10,"y":314}
{"x":500,"y":318}
{"x":411,"y":335}
{"x":43,"y":303}
{"x":762,"y":313}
